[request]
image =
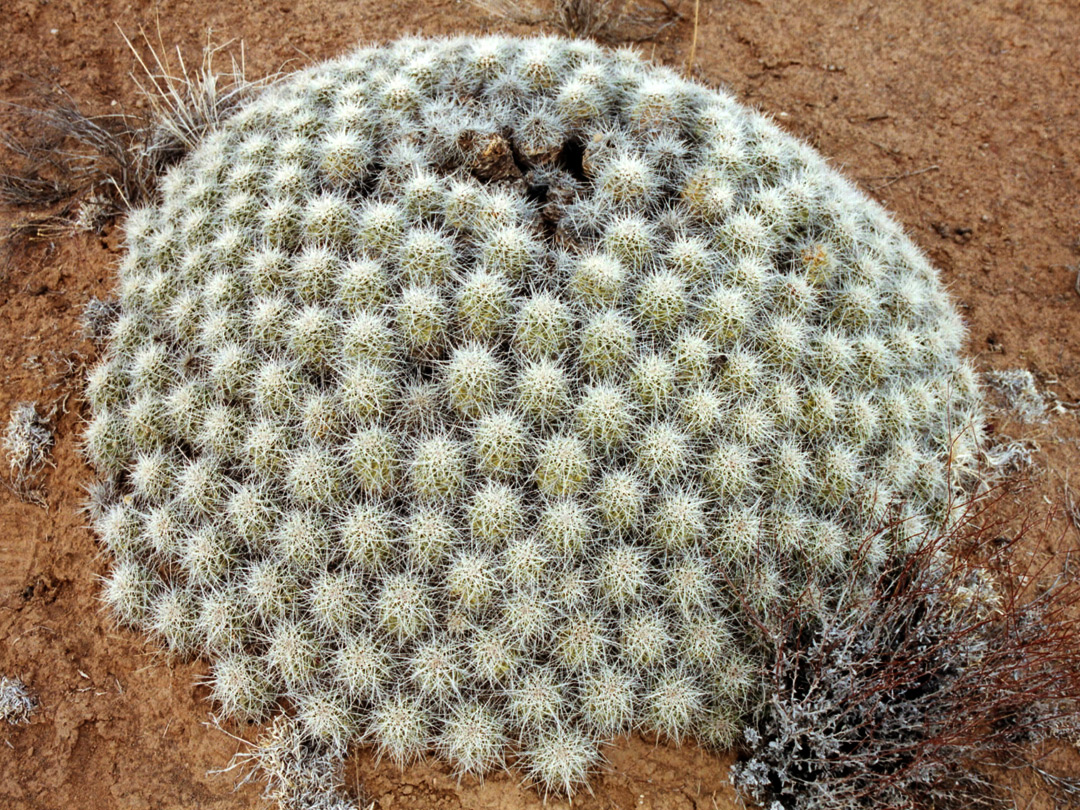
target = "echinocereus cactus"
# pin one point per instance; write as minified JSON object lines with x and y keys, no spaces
{"x":468,"y":394}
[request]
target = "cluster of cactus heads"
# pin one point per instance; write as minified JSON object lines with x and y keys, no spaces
{"x":464,"y":393}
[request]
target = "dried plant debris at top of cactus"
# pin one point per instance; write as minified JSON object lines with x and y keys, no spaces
{"x":466,"y":392}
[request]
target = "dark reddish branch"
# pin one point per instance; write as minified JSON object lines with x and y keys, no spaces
{"x":909,"y":689}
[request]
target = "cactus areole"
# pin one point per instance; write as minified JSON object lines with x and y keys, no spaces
{"x":466,"y":394}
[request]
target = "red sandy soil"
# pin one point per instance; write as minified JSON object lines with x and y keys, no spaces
{"x":961,"y":118}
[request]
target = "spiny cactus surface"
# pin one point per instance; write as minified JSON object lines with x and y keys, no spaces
{"x":467,"y":393}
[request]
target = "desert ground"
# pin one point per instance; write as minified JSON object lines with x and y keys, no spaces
{"x":963,"y":119}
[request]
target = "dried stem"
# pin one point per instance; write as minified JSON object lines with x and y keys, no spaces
{"x":900,"y":692}
{"x":96,"y":166}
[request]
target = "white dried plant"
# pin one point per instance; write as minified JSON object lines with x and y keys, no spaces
{"x":16,"y":702}
{"x":28,"y":441}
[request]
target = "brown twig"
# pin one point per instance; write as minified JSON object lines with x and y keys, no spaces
{"x":693,"y":40}
{"x":905,"y":175}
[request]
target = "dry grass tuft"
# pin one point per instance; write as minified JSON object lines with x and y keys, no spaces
{"x":80,"y":170}
{"x":902,"y":692}
{"x":297,"y":774}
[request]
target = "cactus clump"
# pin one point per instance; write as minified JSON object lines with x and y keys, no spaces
{"x":464,"y":393}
